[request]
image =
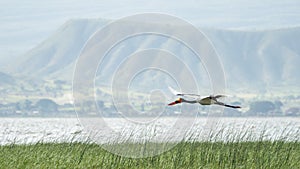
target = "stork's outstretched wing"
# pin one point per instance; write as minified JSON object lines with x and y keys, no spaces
{"x":219,"y":96}
{"x":187,"y":94}
{"x":182,"y":94}
{"x":173,"y":91}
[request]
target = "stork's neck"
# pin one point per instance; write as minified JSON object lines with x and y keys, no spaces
{"x":189,"y":101}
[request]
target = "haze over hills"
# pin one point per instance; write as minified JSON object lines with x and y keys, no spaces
{"x":263,"y":57}
{"x":59,"y":51}
{"x":251,"y":58}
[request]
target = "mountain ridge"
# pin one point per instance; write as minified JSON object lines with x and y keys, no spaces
{"x":255,"y":58}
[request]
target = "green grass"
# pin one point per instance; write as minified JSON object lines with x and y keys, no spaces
{"x":258,"y":154}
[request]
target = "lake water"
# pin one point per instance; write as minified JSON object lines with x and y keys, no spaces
{"x":32,"y":130}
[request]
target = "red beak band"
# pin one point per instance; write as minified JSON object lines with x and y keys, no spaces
{"x":176,"y":102}
{"x":170,"y":104}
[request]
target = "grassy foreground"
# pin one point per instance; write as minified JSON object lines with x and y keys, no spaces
{"x":260,"y":154}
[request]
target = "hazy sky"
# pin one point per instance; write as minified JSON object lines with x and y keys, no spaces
{"x":24,"y":24}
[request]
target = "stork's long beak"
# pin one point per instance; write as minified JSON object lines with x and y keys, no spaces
{"x":175,"y":102}
{"x":170,"y":104}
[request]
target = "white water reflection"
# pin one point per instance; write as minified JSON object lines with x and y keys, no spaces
{"x":32,"y":130}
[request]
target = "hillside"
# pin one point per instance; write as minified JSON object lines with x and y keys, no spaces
{"x":6,"y":79}
{"x":58,"y":53}
{"x":266,"y":57}
{"x":253,"y":59}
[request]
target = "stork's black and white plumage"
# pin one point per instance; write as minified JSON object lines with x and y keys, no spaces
{"x":209,"y":100}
